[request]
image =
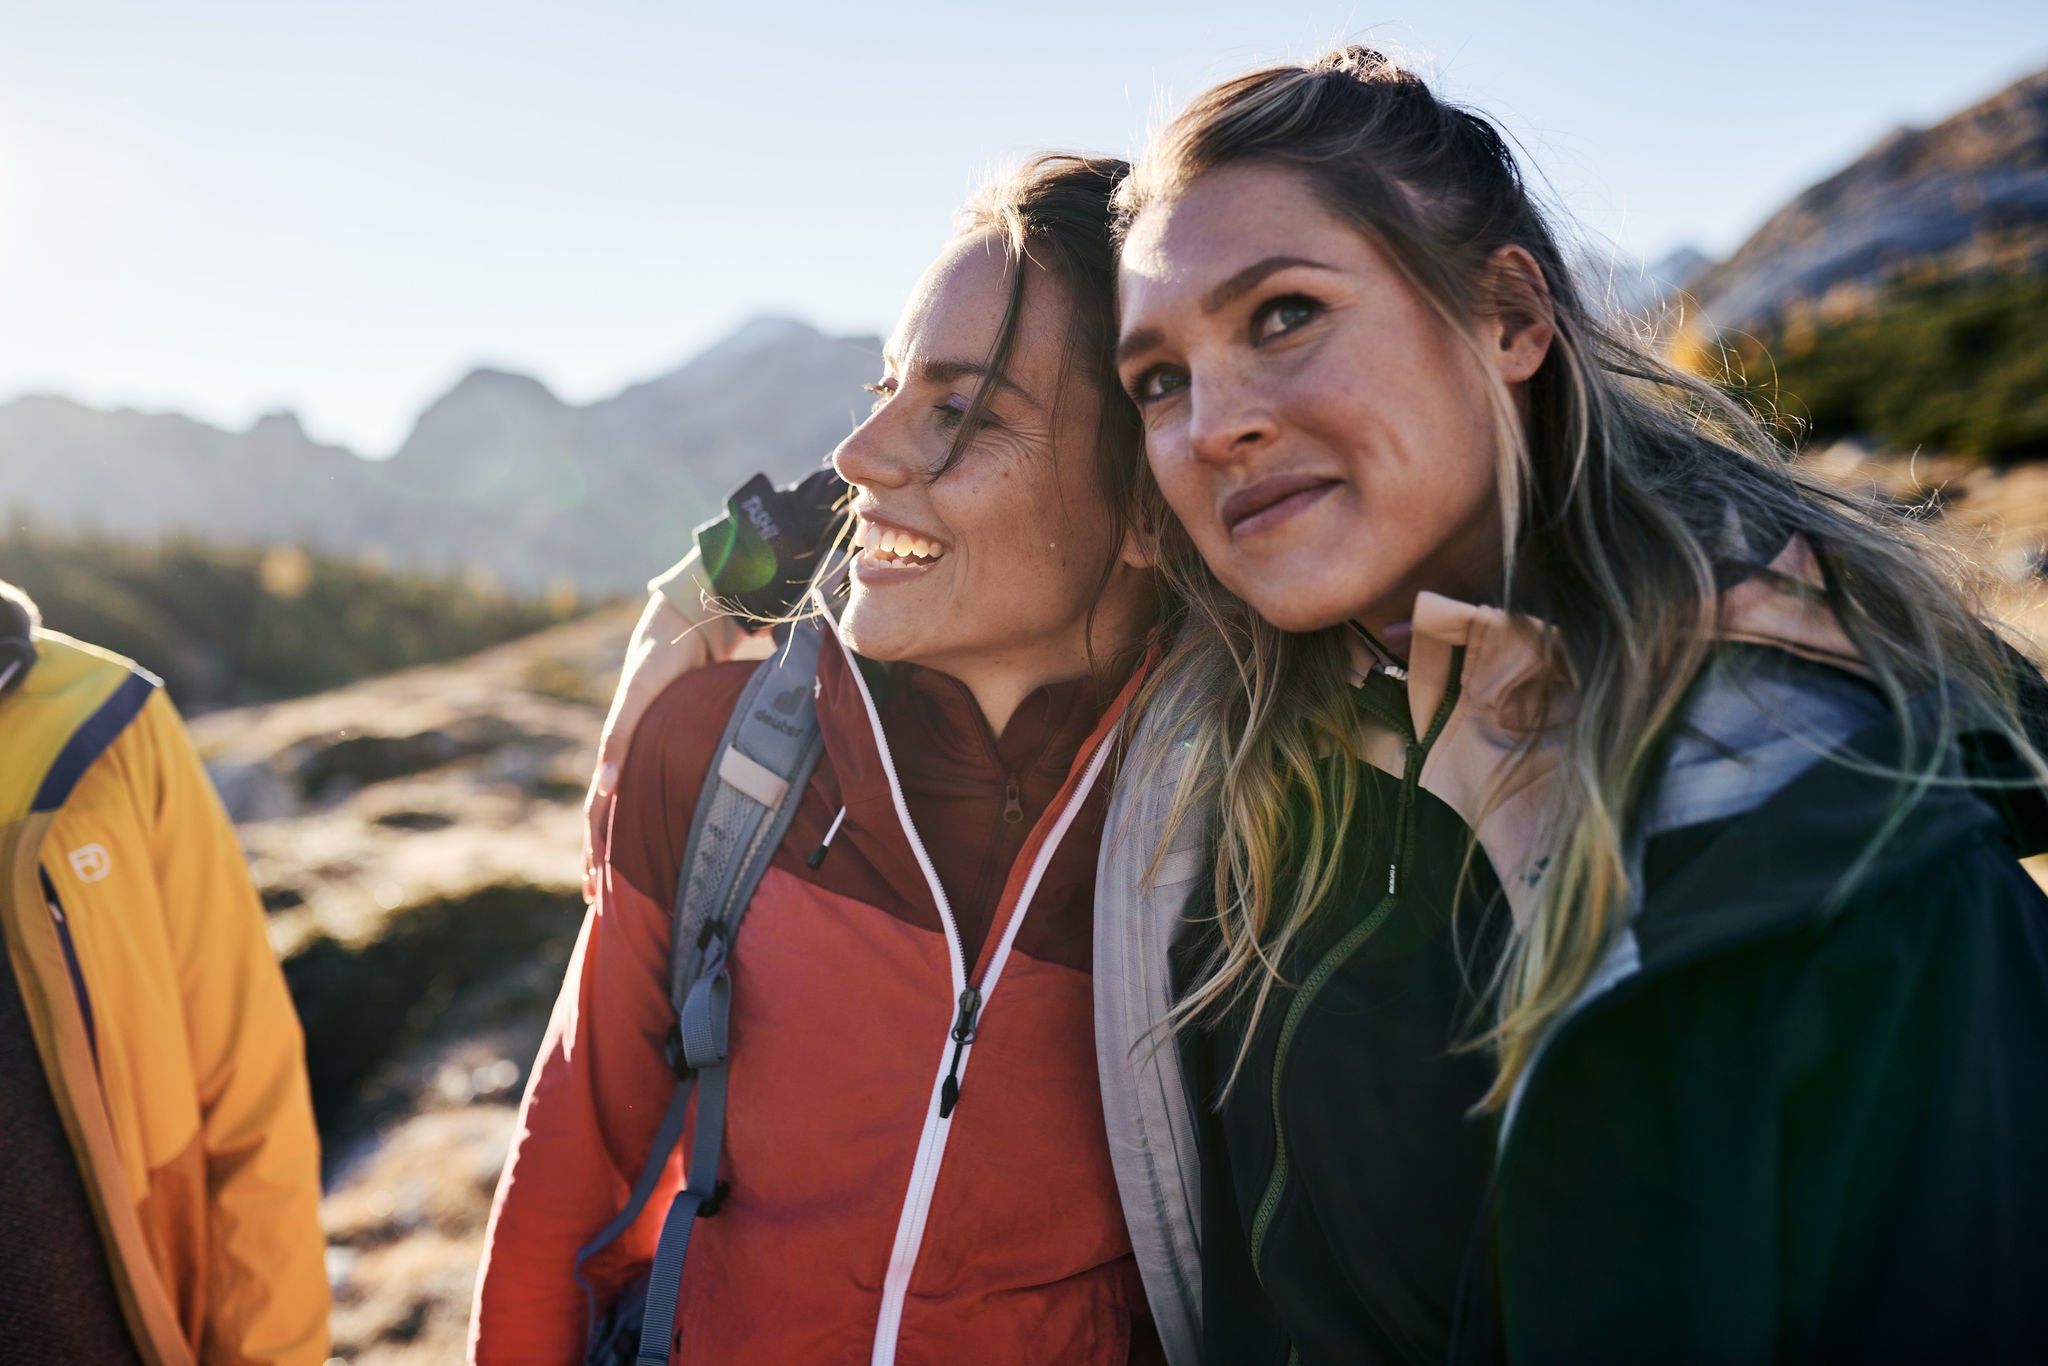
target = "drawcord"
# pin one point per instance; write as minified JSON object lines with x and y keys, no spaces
{"x":817,"y":856}
{"x":1411,"y":776}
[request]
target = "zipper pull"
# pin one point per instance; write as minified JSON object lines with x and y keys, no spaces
{"x":817,"y":856}
{"x":1013,"y":800}
{"x":963,"y":1034}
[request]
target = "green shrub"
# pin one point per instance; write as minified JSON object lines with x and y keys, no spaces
{"x":1958,"y":367}
{"x":227,"y":625}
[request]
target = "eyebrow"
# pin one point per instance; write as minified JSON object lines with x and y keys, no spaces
{"x":1219,"y":298}
{"x":953,"y":371}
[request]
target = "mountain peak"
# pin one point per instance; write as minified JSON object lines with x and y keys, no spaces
{"x":768,"y":332}
{"x":278,"y":424}
{"x":489,"y":381}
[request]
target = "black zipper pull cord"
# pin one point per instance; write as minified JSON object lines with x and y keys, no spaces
{"x":1013,"y":800}
{"x":817,"y":855}
{"x":963,"y":1035}
{"x":1411,"y":778}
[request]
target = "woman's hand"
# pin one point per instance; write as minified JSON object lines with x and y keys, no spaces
{"x":667,"y":643}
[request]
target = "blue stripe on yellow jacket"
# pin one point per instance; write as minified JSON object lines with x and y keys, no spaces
{"x":190,"y":1119}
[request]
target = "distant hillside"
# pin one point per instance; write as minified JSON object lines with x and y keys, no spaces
{"x":1901,"y":300}
{"x":230,"y":626}
{"x":498,"y":475}
{"x":1965,"y":199}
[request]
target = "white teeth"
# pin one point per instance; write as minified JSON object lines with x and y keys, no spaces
{"x":891,"y":544}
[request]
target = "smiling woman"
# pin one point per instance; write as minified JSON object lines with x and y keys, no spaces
{"x":916,"y":1162}
{"x":992,"y":545}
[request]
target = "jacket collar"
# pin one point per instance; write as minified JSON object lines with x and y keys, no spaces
{"x":1496,"y":772}
{"x":72,"y":705}
{"x":861,"y":757}
{"x":1789,"y":860}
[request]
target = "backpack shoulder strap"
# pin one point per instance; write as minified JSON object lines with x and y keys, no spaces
{"x":750,"y":796}
{"x":770,"y":745}
{"x":1141,"y":894}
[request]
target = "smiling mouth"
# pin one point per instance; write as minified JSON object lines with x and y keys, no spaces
{"x":890,"y":547}
{"x":1272,"y":500}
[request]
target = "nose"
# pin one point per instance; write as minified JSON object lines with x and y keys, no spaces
{"x":1229,"y":417}
{"x":876,"y":454}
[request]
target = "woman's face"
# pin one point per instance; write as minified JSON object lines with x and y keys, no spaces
{"x":994,"y":564}
{"x":1328,"y":442}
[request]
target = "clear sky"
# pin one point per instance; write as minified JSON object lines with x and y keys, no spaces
{"x":341,"y":207}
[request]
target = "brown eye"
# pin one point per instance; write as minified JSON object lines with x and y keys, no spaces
{"x":1160,"y":382}
{"x":1283,"y":315}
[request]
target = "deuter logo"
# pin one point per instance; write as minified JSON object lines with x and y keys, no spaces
{"x":757,"y":513}
{"x":90,"y":862}
{"x":776,"y":723}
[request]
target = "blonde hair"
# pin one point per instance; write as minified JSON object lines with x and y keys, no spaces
{"x":1621,"y":492}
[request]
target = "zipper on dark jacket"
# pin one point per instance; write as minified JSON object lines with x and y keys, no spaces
{"x":1416,"y":754}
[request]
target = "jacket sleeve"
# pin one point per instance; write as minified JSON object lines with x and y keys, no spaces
{"x":1821,"y":1147}
{"x":267,"y":1297}
{"x":600,"y":1084}
{"x":1914,"y":1219}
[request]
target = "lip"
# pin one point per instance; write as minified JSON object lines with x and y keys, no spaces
{"x":1266,"y":503}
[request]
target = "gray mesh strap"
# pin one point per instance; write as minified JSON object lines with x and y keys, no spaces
{"x":744,"y":810}
{"x":774,"y":728}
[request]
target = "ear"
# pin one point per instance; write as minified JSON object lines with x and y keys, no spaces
{"x":1140,"y":549}
{"x":1520,"y":324}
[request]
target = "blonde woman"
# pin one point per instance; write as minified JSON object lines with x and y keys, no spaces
{"x":1538,"y":624}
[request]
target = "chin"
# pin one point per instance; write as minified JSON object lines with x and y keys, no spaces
{"x":871,"y":634}
{"x":1297,"y":602}
{"x":1299,"y":615}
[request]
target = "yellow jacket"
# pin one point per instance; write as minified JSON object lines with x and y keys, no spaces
{"x":161,"y":1016}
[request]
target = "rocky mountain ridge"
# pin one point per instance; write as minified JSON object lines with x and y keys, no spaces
{"x":1963,"y":199}
{"x":499,"y":475}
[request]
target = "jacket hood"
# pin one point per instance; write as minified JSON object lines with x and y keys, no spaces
{"x":1491,"y":768}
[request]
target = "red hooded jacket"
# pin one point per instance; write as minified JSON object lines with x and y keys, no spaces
{"x":860,"y":1224}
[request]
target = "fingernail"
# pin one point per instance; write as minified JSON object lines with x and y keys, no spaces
{"x":607,"y":778}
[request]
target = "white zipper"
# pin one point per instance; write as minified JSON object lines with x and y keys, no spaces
{"x":931,"y":1143}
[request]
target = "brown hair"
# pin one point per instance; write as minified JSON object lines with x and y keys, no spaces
{"x":1057,"y":213}
{"x":1625,"y":490}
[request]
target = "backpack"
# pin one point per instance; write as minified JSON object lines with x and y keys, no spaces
{"x":765,"y":758}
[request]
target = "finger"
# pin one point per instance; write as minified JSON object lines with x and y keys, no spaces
{"x":596,"y":832}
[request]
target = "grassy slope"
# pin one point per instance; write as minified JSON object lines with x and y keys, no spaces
{"x":1957,"y":367}
{"x":227,"y":626}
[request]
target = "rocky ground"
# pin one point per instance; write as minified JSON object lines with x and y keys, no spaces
{"x":417,"y":840}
